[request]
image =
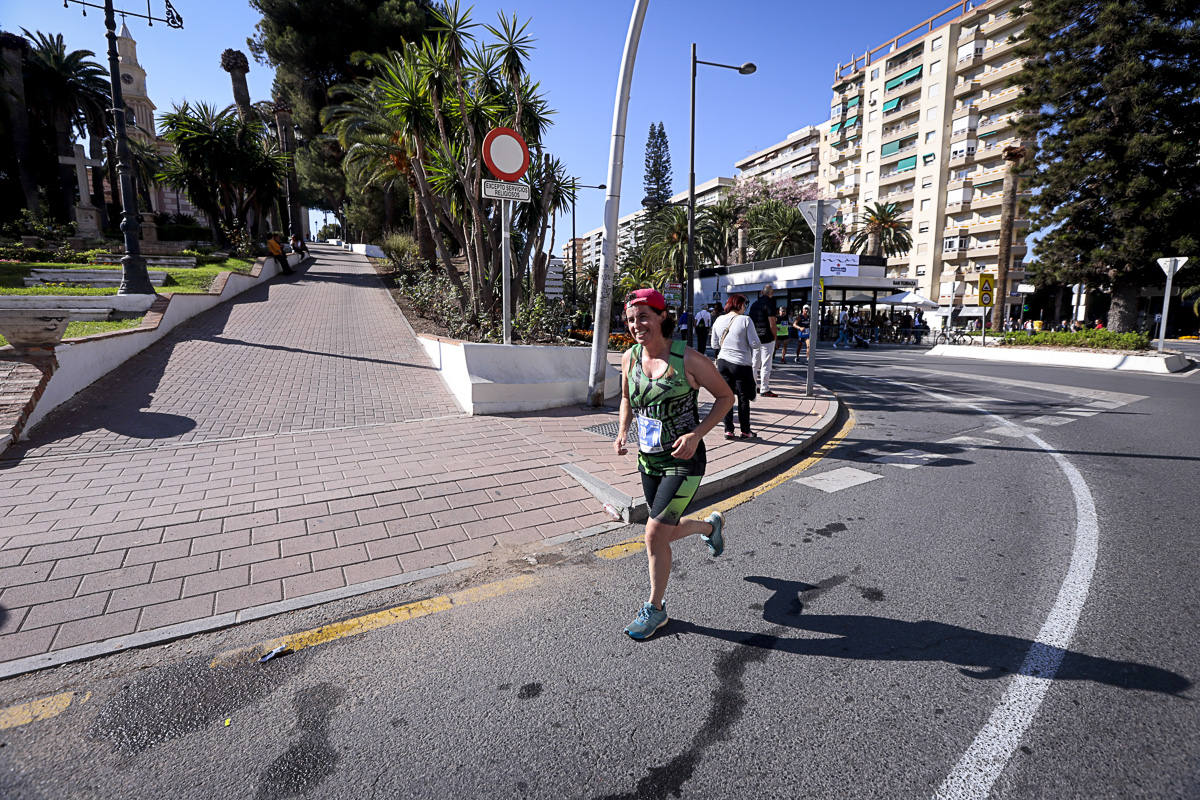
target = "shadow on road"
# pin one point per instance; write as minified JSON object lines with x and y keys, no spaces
{"x":869,"y":638}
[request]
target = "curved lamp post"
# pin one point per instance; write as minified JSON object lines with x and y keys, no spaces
{"x":134,"y":279}
{"x":745,"y":69}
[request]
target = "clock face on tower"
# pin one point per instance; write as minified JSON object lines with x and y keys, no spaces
{"x":126,"y":78}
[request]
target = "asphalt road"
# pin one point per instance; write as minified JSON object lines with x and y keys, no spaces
{"x":892,"y":637}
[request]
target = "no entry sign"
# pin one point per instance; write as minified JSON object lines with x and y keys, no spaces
{"x":505,"y":154}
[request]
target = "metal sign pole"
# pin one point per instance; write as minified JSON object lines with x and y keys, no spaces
{"x":814,"y":298}
{"x":1169,"y":266}
{"x":506,"y":268}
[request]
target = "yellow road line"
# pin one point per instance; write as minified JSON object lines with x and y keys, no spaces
{"x":34,"y":710}
{"x":630,"y":546}
{"x":376,"y":620}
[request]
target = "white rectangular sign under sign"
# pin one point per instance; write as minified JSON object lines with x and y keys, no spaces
{"x":504,"y":190}
{"x":839,"y":265}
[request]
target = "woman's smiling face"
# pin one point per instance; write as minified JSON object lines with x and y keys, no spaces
{"x":644,"y":323}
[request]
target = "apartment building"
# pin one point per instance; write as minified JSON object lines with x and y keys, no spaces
{"x":922,"y":121}
{"x":588,"y":244}
{"x":797,"y":157}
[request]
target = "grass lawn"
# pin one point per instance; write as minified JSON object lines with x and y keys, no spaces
{"x":77,"y":329}
{"x":184,"y":281}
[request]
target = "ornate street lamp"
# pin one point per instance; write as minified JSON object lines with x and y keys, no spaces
{"x":134,"y":279}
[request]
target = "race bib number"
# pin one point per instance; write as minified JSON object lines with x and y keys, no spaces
{"x":649,"y":435}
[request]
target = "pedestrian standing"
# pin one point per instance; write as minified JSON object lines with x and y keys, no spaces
{"x":734,"y":338}
{"x":684,"y":321}
{"x":783,"y":334}
{"x":843,"y":328}
{"x":703,"y":325}
{"x":764,"y":314}
{"x":276,"y":251}
{"x":801,"y":324}
{"x":660,"y":381}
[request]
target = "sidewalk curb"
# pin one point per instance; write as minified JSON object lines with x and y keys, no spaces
{"x":86,"y":652}
{"x":634,"y":510}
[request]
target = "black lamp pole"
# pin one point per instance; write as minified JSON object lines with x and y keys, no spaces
{"x":574,"y":245}
{"x":134,"y":278}
{"x":745,"y":69}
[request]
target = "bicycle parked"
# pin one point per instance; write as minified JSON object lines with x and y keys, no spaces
{"x":956,"y":336}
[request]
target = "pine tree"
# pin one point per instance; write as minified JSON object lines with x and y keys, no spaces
{"x":657,"y":182}
{"x":1112,"y":105}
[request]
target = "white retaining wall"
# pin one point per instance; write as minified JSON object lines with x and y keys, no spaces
{"x":83,"y":362}
{"x":495,"y":378}
{"x":1172,"y":362}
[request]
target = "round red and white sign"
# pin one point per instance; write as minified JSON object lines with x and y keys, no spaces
{"x":505,"y":154}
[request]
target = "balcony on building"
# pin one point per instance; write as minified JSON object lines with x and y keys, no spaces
{"x":903,"y":167}
{"x":999,"y":98}
{"x":905,"y":60}
{"x":971,"y":47}
{"x":896,"y":149}
{"x":962,"y":154}
{"x":998,"y":49}
{"x":904,"y":82}
{"x":991,"y":76}
{"x":965,"y":86}
{"x":999,"y":22}
{"x":903,"y":194}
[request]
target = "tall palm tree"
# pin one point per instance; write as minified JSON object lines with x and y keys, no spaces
{"x":719,"y":223}
{"x":778,"y":230}
{"x":667,"y":242}
{"x":65,"y":88}
{"x":1013,"y":156}
{"x":882,"y":231}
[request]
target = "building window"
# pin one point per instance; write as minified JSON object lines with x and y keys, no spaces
{"x":870,"y":156}
{"x":936,"y":44}
{"x":935,"y":65}
{"x":927,"y":181}
{"x":875,"y":73}
{"x":929,"y":135}
{"x":934,"y":89}
{"x":920,"y":271}
{"x":872,"y":115}
{"x":925,"y":204}
{"x":923,"y":227}
{"x":922,"y":248}
{"x":931,"y":114}
{"x":869,"y":176}
{"x":929,"y":158}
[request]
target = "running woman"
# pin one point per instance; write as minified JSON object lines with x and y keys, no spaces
{"x":660,"y":380}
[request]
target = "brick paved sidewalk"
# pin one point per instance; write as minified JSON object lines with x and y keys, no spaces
{"x":284,"y":448}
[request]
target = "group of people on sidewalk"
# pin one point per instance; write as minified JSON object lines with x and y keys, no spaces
{"x":660,"y":381}
{"x":276,"y":251}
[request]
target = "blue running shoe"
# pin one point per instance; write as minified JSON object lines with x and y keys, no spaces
{"x":716,"y":539}
{"x":648,"y":620}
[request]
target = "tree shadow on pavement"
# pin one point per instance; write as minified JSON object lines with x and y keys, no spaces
{"x":976,"y":653}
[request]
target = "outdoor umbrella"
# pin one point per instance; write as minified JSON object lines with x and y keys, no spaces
{"x":908,"y":298}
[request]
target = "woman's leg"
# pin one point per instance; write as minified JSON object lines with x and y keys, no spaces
{"x":673,"y":494}
{"x":727,"y":371}
{"x":746,"y":388}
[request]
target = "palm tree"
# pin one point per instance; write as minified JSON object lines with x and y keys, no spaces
{"x":719,"y":223}
{"x":65,"y":88}
{"x":667,"y":242}
{"x":778,"y":230}
{"x":1013,"y":156}
{"x":882,"y":231}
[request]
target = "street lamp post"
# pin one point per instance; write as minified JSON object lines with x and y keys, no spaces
{"x":134,"y":278}
{"x":574,"y":248}
{"x":745,"y":69}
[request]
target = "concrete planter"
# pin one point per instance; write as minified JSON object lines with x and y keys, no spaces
{"x":1132,"y":362}
{"x":495,"y":378}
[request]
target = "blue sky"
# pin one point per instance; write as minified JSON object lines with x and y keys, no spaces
{"x":795,"y":44}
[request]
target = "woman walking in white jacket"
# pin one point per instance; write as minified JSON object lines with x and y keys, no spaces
{"x":734,"y":339}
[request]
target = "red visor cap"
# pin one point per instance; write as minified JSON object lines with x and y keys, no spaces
{"x":647,"y":297}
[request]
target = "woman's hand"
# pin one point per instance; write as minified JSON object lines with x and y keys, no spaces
{"x":619,"y":444}
{"x":685,"y":446}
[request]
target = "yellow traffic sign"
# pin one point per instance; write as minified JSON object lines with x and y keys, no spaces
{"x":987,"y":291}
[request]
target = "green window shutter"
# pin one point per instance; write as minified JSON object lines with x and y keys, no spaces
{"x":905,"y":164}
{"x":889,"y":148}
{"x":988,"y":183}
{"x":852,"y":102}
{"x":850,"y":123}
{"x":851,"y":138}
{"x":899,"y":79}
{"x":890,"y":104}
{"x":835,"y":127}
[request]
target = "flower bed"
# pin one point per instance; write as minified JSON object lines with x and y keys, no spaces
{"x":616,"y":341}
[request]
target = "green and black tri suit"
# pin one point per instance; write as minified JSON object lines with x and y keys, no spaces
{"x":664,"y":409}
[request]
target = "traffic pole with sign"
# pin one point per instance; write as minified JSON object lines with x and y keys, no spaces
{"x":1169,"y":266}
{"x":506,"y":156}
{"x":816,"y":213}
{"x":987,"y":298}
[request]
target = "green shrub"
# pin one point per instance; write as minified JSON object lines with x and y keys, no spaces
{"x":43,"y":255}
{"x":28,"y":223}
{"x":401,"y":249}
{"x":1102,"y":339}
{"x":434,"y":297}
{"x":542,"y":320}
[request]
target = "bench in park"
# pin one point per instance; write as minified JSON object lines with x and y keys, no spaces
{"x":174,"y":262}
{"x":91,"y":278}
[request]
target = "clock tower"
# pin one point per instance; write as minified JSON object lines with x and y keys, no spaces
{"x":133,"y":88}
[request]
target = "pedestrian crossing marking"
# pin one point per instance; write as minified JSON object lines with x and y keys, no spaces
{"x":1011,"y":431}
{"x":837,"y":479}
{"x":907,"y":459}
{"x":970,"y":441}
{"x":1050,"y":419}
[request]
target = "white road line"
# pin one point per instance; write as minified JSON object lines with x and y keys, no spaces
{"x":1097,"y":396}
{"x":970,"y":441}
{"x":1049,"y":419}
{"x":907,"y":459}
{"x":1080,"y":412}
{"x":837,"y":479}
{"x":976,"y":772}
{"x":1009,"y":429}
